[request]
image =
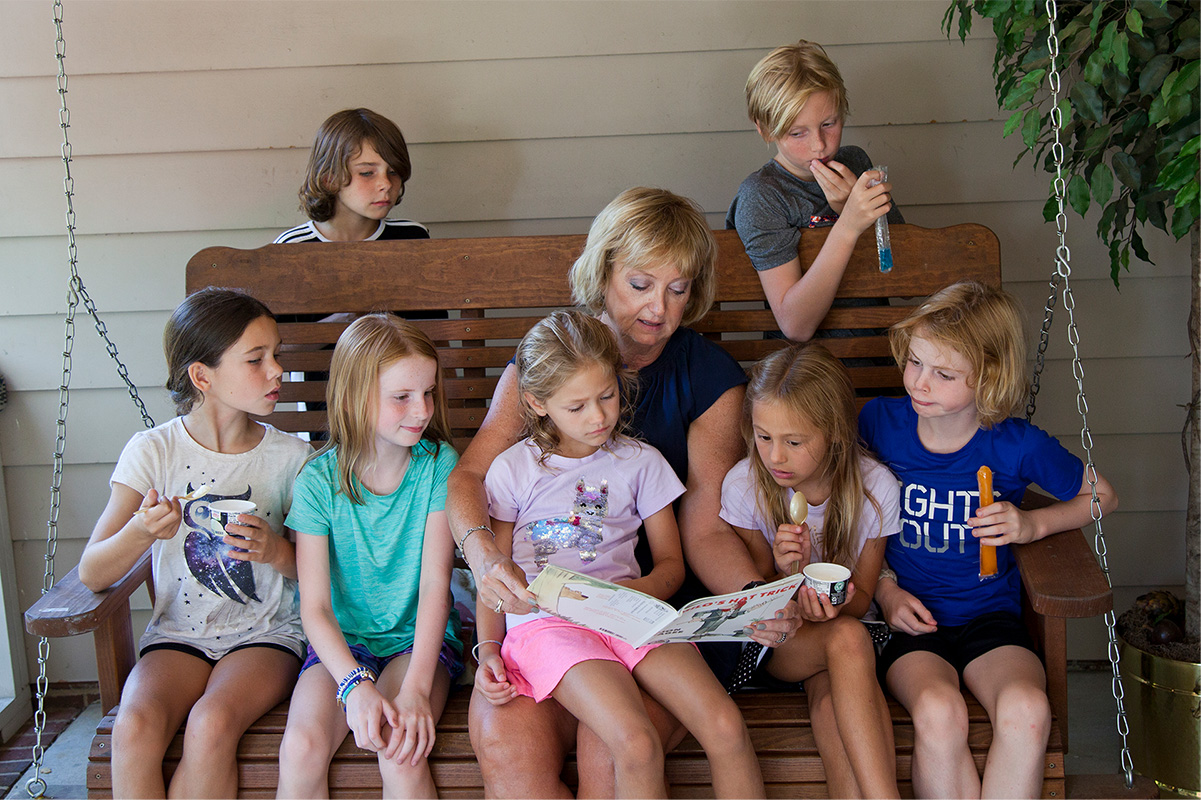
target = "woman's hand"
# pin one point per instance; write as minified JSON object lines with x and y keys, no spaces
{"x":1003,"y":523}
{"x":159,"y":517}
{"x":836,"y":181}
{"x":366,"y":710}
{"x":413,"y":738}
{"x":774,"y":632}
{"x":792,"y":546}
{"x":490,"y":680}
{"x":816,"y":607}
{"x":902,"y":610}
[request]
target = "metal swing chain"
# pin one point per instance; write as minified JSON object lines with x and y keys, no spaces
{"x":1063,"y":271}
{"x":76,"y":292}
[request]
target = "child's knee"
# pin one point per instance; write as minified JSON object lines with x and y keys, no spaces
{"x":210,"y":727}
{"x":404,"y":779}
{"x":940,"y":716}
{"x":850,"y":639}
{"x":1023,"y":711}
{"x":138,"y":725}
{"x":637,"y":747}
{"x":303,"y":748}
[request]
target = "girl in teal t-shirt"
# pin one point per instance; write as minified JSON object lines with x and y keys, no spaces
{"x":374,"y":556}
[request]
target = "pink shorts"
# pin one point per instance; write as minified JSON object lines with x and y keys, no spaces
{"x":538,"y":653}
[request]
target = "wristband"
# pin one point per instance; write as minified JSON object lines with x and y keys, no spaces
{"x":348,"y":684}
{"x":475,"y":651}
{"x":885,"y":572}
{"x":466,"y":536}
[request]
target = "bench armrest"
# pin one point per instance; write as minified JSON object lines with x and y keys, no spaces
{"x":70,"y":608}
{"x":1060,"y":573}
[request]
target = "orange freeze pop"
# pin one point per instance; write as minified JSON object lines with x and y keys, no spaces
{"x":988,"y":554}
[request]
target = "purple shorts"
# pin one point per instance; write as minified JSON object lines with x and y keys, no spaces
{"x":538,"y":653}
{"x":447,"y":657}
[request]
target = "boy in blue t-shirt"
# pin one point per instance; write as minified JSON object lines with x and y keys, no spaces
{"x":796,"y":98}
{"x":964,"y":360}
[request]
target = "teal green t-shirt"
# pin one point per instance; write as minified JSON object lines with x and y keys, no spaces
{"x":375,"y":548}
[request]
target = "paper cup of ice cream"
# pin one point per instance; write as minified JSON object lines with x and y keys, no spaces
{"x":828,"y":579}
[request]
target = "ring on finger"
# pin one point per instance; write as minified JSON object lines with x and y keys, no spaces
{"x":499,"y":605}
{"x":783,"y":636}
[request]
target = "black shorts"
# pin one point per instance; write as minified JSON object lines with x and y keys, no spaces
{"x":958,"y":645}
{"x":179,"y":647}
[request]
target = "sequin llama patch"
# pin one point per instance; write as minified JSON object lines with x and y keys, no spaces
{"x":580,"y":530}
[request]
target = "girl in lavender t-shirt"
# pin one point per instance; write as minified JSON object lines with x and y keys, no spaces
{"x":574,"y":493}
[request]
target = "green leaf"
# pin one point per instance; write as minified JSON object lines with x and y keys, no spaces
{"x":1187,"y":194}
{"x":1157,"y":114}
{"x":1125,"y":168}
{"x":1094,"y":68}
{"x":1078,"y":194}
{"x":1102,"y":184}
{"x":1154,"y":73}
{"x":1152,"y":9}
{"x":1183,"y":219}
{"x":1134,"y":21}
{"x":1106,"y":222}
{"x":1086,"y":100}
{"x":1121,"y":53}
{"x":1117,"y":86}
{"x":1140,"y":251}
{"x":1019,"y":95}
{"x":1097,"y":138}
{"x":1186,"y":79}
{"x":1050,"y":209}
{"x":1011,"y":124}
{"x":1107,"y":37}
{"x":1031,"y":125}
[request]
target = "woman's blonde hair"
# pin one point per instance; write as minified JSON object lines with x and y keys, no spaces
{"x":782,"y":82}
{"x":338,"y":141}
{"x":984,"y":325}
{"x":365,"y":349}
{"x":815,"y":388}
{"x":554,"y":350}
{"x":642,"y":228}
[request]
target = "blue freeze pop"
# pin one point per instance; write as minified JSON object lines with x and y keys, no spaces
{"x":883,"y":243}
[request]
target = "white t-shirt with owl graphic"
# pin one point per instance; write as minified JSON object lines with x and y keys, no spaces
{"x":579,"y":513}
{"x":204,"y":598}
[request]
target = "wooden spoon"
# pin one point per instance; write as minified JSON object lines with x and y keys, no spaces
{"x":798,"y":509}
{"x":199,"y":491}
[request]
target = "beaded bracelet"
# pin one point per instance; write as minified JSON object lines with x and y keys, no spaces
{"x":475,"y":651}
{"x":348,"y":684}
{"x":466,"y":536}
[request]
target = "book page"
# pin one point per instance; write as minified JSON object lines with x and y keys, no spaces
{"x":599,"y":605}
{"x":724,"y":618}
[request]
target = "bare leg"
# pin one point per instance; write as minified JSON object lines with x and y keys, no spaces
{"x":595,"y":765}
{"x":243,"y":686}
{"x":158,"y":694}
{"x":316,"y":728}
{"x":928,"y":687}
{"x":1011,"y":685}
{"x":521,"y":746}
{"x":603,"y":695}
{"x":843,"y":648}
{"x":840,"y":778}
{"x":677,"y":676}
{"x":404,"y":779}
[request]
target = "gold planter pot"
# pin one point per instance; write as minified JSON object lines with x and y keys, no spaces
{"x":1163,"y":708}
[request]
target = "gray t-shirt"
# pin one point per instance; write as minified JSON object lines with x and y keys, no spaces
{"x":204,"y":598}
{"x":773,"y":206}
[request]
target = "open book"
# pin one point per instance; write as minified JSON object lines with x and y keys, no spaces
{"x":639,"y":619}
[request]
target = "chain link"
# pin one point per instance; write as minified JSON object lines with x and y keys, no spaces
{"x":1062,"y":274}
{"x":76,"y":293}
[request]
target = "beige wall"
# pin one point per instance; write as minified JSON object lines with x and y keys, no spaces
{"x":190,"y":123}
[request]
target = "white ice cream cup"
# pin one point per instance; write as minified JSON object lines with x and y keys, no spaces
{"x":226,"y":512}
{"x":828,"y":579}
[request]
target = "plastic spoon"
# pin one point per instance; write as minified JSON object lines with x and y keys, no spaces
{"x":199,"y":491}
{"x":798,"y":509}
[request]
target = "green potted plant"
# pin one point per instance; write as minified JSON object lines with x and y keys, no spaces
{"x":1131,"y":142}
